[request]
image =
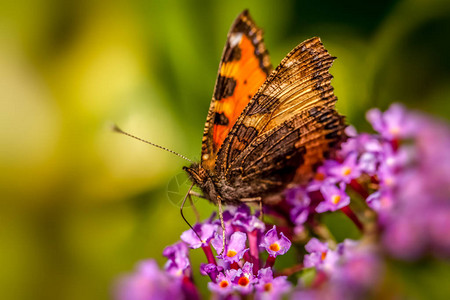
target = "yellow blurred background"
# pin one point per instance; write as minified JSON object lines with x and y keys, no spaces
{"x":80,"y":204}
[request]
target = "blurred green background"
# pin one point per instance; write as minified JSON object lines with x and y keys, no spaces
{"x":80,"y":204}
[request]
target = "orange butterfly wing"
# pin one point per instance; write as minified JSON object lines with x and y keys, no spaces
{"x":244,"y":67}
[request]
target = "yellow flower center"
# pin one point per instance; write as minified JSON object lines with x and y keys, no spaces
{"x":231,"y":253}
{"x":335,"y":199}
{"x":223,"y":284}
{"x":274,"y":247}
{"x":394,"y":130}
{"x":324,"y":254}
{"x":346,"y":171}
{"x":243,"y":281}
{"x":389,"y":181}
{"x":268,"y":287}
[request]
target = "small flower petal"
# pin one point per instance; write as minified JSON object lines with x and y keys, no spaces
{"x":275,"y":245}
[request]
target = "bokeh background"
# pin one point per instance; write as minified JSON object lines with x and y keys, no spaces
{"x":79,"y":204}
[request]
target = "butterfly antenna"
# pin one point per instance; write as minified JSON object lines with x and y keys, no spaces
{"x":117,"y":129}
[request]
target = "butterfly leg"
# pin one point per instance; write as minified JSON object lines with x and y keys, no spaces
{"x":222,"y":223}
{"x":197,"y":215}
{"x":182,"y":215}
{"x":256,"y":199}
{"x":261,"y":212}
{"x":198,"y":195}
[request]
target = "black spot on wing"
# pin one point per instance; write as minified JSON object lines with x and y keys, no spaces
{"x":231,"y":53}
{"x":224,"y":88}
{"x":243,"y":24}
{"x":220,"y":119}
{"x":332,"y":135}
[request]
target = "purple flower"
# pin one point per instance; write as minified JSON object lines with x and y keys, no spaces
{"x":432,"y":143}
{"x":391,"y":164}
{"x":359,"y":271}
{"x":334,"y":198}
{"x":345,"y":171}
{"x":393,"y":124}
{"x":223,"y":284}
{"x":361,"y":143}
{"x":234,"y":249}
{"x":318,"y":252}
{"x":244,"y":280}
{"x":211,"y":270}
{"x":405,"y":237}
{"x":351,"y":131}
{"x":388,"y":179}
{"x":353,"y":272}
{"x":205,"y":231}
{"x":269,"y":287}
{"x":319,"y":179}
{"x":314,"y":245}
{"x":347,"y":247}
{"x":244,"y":220}
{"x":381,"y":201}
{"x":368,"y":163}
{"x":308,"y":295}
{"x":368,"y":148}
{"x":178,"y":259}
{"x":439,"y":224}
{"x":275,"y":245}
{"x":148,"y":282}
{"x":300,"y":201}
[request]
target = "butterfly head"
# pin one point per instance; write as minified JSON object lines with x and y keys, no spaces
{"x":200,"y":177}
{"x":197,"y":174}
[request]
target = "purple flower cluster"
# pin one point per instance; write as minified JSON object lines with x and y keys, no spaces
{"x":239,"y":270}
{"x":402,"y":173}
{"x":416,"y":204}
{"x":400,"y":176}
{"x":352,"y":270}
{"x":149,"y":282}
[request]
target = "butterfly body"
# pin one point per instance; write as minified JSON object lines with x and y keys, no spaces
{"x":266,"y":129}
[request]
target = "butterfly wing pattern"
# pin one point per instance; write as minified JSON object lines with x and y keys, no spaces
{"x":244,"y":67}
{"x":280,"y":135}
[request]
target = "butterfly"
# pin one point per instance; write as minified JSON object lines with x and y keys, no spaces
{"x":266,"y":129}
